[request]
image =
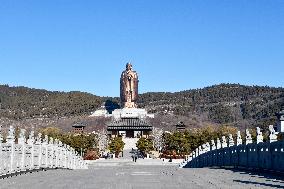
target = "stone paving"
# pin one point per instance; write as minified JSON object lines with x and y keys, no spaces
{"x":125,"y":174}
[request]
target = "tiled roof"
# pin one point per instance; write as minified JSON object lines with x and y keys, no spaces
{"x":78,"y":125}
{"x":129,"y":123}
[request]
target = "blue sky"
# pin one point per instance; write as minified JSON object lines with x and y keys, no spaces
{"x":84,"y":45}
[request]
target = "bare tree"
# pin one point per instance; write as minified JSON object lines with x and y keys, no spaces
{"x":102,"y":141}
{"x":157,"y":135}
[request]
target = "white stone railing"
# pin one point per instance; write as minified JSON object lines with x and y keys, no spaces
{"x":259,"y":155}
{"x":35,"y":154}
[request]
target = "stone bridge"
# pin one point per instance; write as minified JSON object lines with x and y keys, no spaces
{"x":149,"y":174}
{"x":28,"y":158}
{"x":259,"y":156}
{"x":35,"y":154}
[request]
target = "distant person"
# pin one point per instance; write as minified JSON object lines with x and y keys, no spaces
{"x":132,"y":158}
{"x":135,"y":158}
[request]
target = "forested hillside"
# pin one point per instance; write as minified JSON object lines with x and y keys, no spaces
{"x":22,"y":102}
{"x":221,"y":104}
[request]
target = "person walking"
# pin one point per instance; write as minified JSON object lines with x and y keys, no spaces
{"x":135,"y":158}
{"x":132,"y":158}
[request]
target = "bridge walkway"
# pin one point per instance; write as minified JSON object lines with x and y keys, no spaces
{"x":124,"y":174}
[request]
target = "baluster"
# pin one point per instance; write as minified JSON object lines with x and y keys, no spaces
{"x":51,"y":152}
{"x":61,"y":154}
{"x":248,"y":137}
{"x":207,"y":146}
{"x":213,"y":146}
{"x":218,"y":143}
{"x":45,"y":151}
{"x":259,"y":137}
{"x":272,"y":136}
{"x":231,"y":140}
{"x":38,"y":151}
{"x":224,"y":142}
{"x":11,"y":144}
{"x":22,"y":141}
{"x":30,"y":142}
{"x":239,"y":138}
{"x":56,"y":152}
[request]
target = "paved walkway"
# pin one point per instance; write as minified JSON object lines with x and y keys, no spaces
{"x":124,"y":174}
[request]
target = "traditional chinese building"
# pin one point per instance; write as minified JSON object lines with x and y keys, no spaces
{"x":180,"y":126}
{"x":78,"y":128}
{"x":130,"y":121}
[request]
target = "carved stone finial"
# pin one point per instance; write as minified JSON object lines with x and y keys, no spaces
{"x":45,"y":139}
{"x":259,"y":137}
{"x":31,"y":138}
{"x":272,"y":136}
{"x":11,"y":135}
{"x":248,"y":137}
{"x":280,"y":121}
{"x":38,"y":138}
{"x":196,"y":152}
{"x":200,"y":150}
{"x":56,"y":141}
{"x":218,"y":143}
{"x":224,"y":142}
{"x":50,"y":140}
{"x":207,"y":146}
{"x":22,"y":137}
{"x":239,"y":138}
{"x":193,"y":154}
{"x":213,"y":145}
{"x":231,"y":140}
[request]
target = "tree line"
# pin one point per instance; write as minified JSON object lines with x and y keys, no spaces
{"x":221,"y":104}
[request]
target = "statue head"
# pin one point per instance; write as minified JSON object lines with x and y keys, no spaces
{"x":128,"y":66}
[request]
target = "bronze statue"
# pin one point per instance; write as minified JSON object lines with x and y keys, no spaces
{"x":129,"y":87}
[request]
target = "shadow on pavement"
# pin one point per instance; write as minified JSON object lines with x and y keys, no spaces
{"x":258,"y":183}
{"x":270,"y":176}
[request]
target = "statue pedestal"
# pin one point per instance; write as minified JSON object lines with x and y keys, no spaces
{"x":131,"y":113}
{"x":129,"y":105}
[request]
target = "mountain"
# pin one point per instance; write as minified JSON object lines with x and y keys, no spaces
{"x":23,"y":102}
{"x":232,"y":104}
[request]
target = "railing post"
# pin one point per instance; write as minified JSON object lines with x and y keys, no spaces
{"x":44,"y":152}
{"x":218,"y":143}
{"x":38,"y":149}
{"x":272,"y":139}
{"x":224,"y":142}
{"x":30,"y":142}
{"x":248,"y":137}
{"x":68,"y":157}
{"x":231,"y":140}
{"x":22,"y":142}
{"x":272,"y":136}
{"x":11,"y":141}
{"x":56,"y":153}
{"x":239,"y":143}
{"x":259,"y":137}
{"x":239,"y":138}
{"x":59,"y":154}
{"x":1,"y":157}
{"x":51,"y":153}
